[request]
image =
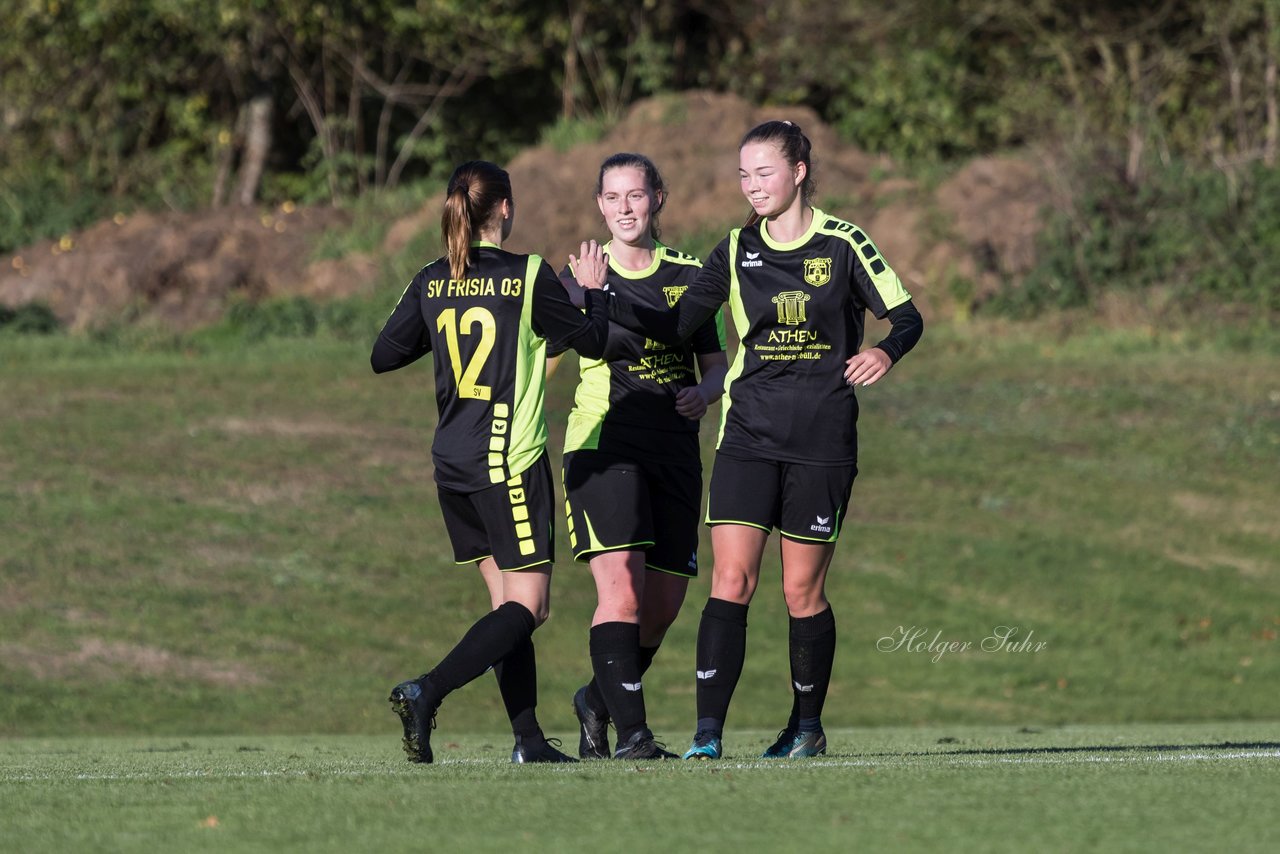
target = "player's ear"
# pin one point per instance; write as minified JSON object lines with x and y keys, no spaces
{"x":802,"y":172}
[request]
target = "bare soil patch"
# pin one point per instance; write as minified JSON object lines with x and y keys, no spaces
{"x":181,"y":269}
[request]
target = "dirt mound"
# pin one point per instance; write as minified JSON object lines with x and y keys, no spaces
{"x":995,"y":205}
{"x":978,"y":226}
{"x":693,"y":138}
{"x":178,"y":268}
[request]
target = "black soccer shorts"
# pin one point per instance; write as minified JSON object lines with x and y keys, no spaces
{"x":618,"y":504}
{"x":806,"y":503}
{"x":510,"y":522}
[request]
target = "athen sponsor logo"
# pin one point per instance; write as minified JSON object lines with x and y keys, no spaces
{"x":791,"y":307}
{"x":753,"y":260}
{"x":823,"y":526}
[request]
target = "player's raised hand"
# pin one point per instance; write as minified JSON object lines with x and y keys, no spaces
{"x":591,"y":266}
{"x":867,"y":367}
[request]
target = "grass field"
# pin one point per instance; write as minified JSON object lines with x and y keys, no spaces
{"x":1207,"y":787}
{"x":215,"y":558}
{"x":192,"y":532}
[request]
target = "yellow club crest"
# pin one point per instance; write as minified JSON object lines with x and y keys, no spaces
{"x":673,"y":293}
{"x":817,"y":271}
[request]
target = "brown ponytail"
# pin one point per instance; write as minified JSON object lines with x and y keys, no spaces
{"x":476,"y":191}
{"x":794,"y":147}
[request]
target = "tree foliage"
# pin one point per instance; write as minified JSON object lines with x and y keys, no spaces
{"x":114,"y":103}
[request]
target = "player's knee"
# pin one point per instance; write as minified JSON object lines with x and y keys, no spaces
{"x":803,"y":599}
{"x":651,"y":634}
{"x":541,"y":614}
{"x":618,"y":612}
{"x":732,"y":586}
{"x":654,"y":624}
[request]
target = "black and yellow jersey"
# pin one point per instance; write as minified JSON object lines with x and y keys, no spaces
{"x":489,"y":332}
{"x":799,"y":309}
{"x":626,"y":402}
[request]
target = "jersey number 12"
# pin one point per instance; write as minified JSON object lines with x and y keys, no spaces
{"x":466,"y":376}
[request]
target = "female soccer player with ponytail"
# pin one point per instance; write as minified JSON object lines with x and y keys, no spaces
{"x":487,"y":315}
{"x":798,"y":282}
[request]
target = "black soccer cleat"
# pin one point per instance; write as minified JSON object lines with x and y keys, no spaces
{"x":641,"y":745}
{"x":417,"y":716}
{"x":538,"y":750}
{"x":593,"y":729}
{"x":780,"y":748}
{"x":795,"y":744}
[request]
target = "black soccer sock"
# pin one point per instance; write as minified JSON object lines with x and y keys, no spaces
{"x":488,"y":641}
{"x":518,"y":683}
{"x":813,"y":649}
{"x":646,"y":658}
{"x":595,"y":700}
{"x":615,"y":660}
{"x":722,"y":647}
{"x":793,"y":719}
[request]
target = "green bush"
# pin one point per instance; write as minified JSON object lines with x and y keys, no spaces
{"x":350,"y":319}
{"x":1192,"y":231}
{"x":38,"y":201}
{"x":33,"y":318}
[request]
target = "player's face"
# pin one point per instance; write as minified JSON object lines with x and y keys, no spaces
{"x":769,"y":182}
{"x":627,"y":203}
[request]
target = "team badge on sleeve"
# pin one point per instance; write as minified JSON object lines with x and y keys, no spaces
{"x":817,"y":271}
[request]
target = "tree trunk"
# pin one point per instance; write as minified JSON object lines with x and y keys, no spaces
{"x":257,"y":147}
{"x":225,"y":158}
{"x":569,"y":88}
{"x":1269,"y":85}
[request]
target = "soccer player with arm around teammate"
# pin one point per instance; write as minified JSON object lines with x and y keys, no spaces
{"x":798,"y":282}
{"x":487,"y":316}
{"x":632,"y":468}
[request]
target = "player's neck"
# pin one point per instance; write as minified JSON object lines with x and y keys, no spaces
{"x":791,"y":224}
{"x":628,"y":256}
{"x":491,"y":235}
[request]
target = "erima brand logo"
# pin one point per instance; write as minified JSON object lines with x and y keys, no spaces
{"x":753,"y":260}
{"x":823,"y":526}
{"x":753,"y":255}
{"x":706,"y":674}
{"x":693,"y":561}
{"x":634,"y":686}
{"x":803,"y":689}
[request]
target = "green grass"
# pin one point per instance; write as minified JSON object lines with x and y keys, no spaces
{"x":1114,"y":788}
{"x":193,"y":532}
